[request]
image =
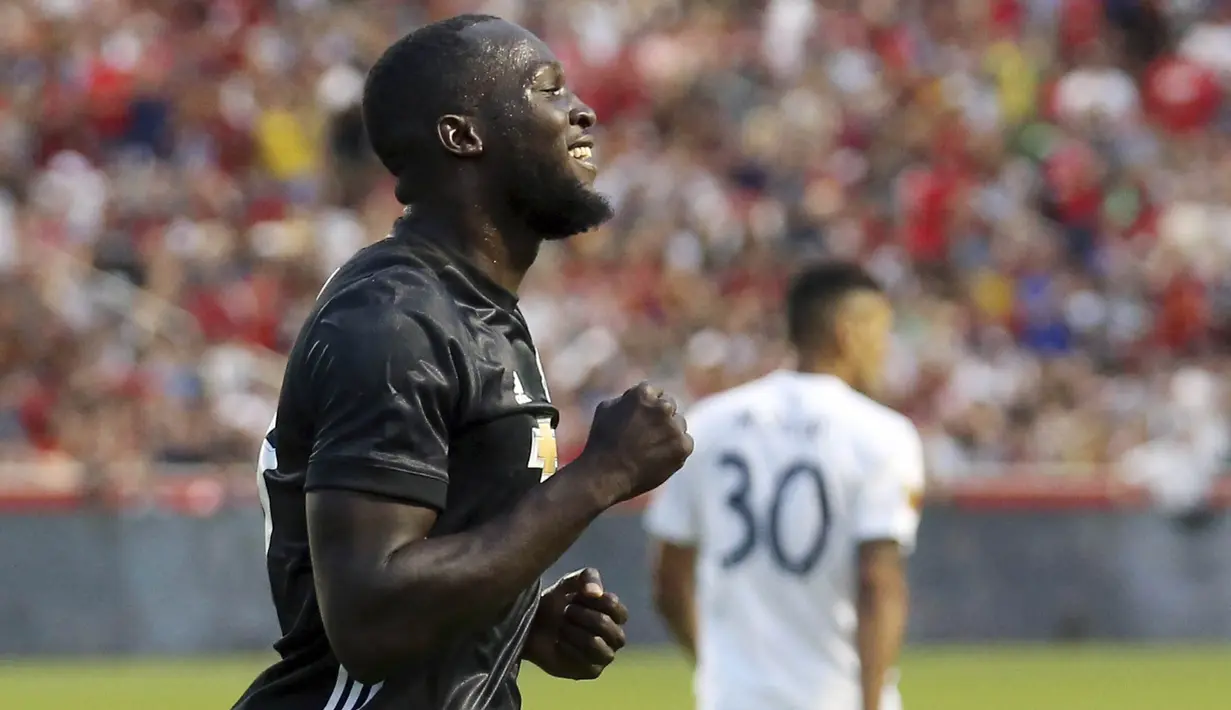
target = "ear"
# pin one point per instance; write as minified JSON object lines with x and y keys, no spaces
{"x":845,"y":332}
{"x":459,"y":136}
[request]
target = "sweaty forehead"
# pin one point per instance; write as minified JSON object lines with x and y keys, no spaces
{"x":510,"y":47}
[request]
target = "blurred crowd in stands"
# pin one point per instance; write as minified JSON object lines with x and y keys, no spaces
{"x":1043,"y":185}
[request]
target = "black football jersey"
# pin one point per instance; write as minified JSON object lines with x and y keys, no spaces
{"x":414,"y":378}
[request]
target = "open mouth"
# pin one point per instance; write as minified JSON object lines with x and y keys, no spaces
{"x":582,"y":153}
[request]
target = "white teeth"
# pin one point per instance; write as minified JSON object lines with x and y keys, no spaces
{"x":581,"y":152}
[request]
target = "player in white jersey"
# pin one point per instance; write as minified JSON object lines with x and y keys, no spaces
{"x":778,"y":555}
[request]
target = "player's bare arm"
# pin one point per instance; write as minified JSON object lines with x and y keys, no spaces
{"x":391,"y":596}
{"x":882,"y":608}
{"x":673,"y":570}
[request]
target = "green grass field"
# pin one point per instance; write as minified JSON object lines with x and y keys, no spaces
{"x":992,"y":678}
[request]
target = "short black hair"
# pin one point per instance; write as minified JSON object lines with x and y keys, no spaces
{"x":432,"y":71}
{"x":813,"y":296}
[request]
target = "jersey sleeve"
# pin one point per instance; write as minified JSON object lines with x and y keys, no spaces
{"x":383,"y":389}
{"x":888,"y":504}
{"x":673,"y":514}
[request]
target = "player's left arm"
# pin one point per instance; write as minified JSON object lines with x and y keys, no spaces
{"x":672,"y":519}
{"x":886,"y":521}
{"x":673,"y":566}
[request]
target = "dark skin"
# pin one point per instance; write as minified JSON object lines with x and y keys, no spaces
{"x":578,"y":629}
{"x":389,"y":595}
{"x":488,"y":230}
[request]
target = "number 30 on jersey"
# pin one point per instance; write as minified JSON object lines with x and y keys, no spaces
{"x":764,"y":529}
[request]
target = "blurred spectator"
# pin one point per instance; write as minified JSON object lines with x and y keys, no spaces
{"x":1044,"y":186}
{"x":1096,"y":89}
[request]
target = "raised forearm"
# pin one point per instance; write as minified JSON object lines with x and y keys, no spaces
{"x":430,"y":591}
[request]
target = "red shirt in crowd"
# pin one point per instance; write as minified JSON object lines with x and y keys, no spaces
{"x":1006,"y":17}
{"x":926,"y":198}
{"x":895,"y":47}
{"x":1080,"y":22}
{"x":1184,"y":317}
{"x":246,"y":309}
{"x":1071,"y":173}
{"x":35,"y":416}
{"x":1181,"y":95}
{"x":109,"y":91}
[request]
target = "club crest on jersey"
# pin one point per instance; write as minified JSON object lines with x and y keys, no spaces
{"x":915,"y":496}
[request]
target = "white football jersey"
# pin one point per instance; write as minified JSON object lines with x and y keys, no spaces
{"x":790,"y":474}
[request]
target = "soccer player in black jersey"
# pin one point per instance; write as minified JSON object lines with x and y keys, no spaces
{"x":409,"y":479}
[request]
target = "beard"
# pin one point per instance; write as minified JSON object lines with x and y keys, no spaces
{"x":550,"y":200}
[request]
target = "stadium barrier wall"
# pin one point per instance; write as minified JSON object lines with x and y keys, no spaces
{"x":995,"y":561}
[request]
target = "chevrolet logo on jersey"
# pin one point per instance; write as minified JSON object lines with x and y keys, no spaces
{"x":543,"y":454}
{"x":543,"y":449}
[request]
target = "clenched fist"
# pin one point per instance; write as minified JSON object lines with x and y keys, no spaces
{"x":637,"y":441}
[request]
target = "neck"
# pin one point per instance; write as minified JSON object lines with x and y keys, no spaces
{"x":822,"y":365}
{"x":494,"y":243}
